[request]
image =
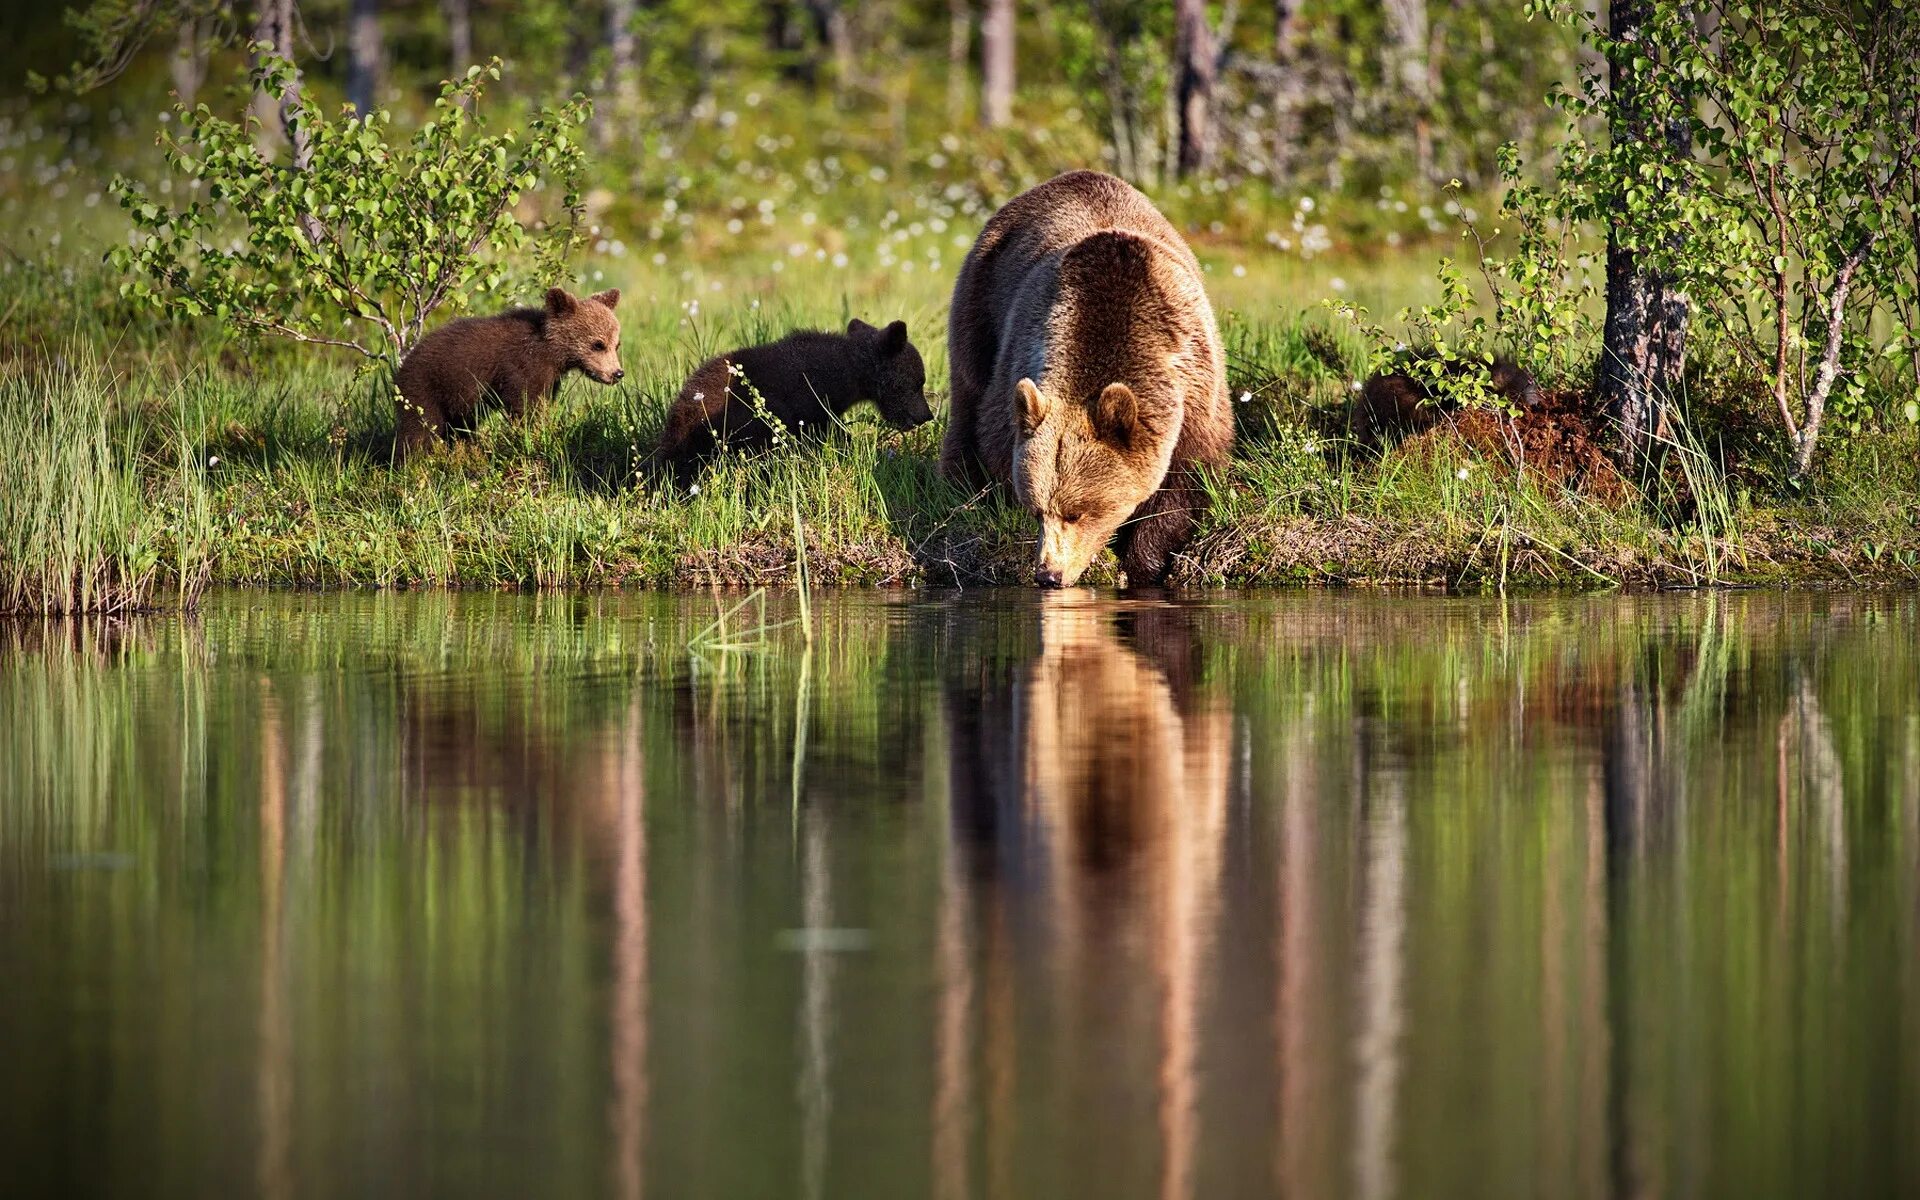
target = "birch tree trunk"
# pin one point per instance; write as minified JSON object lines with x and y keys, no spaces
{"x":959,"y":58}
{"x":363,"y":55}
{"x":996,"y":52}
{"x":459,"y":17}
{"x":1288,"y":88}
{"x":187,"y":66}
{"x":621,"y":86}
{"x":1194,"y":70}
{"x":273,"y":24}
{"x":1406,"y":62}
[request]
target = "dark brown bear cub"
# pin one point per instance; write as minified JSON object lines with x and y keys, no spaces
{"x":515,"y":360}
{"x":1394,"y":405}
{"x":805,"y":381}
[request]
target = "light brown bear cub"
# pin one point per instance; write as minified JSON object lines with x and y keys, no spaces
{"x":805,"y":381}
{"x":515,"y":359}
{"x":1088,"y":375}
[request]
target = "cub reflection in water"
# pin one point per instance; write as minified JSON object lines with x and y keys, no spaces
{"x":1089,"y":789}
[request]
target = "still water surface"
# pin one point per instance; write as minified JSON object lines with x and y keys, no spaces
{"x":982,"y":895}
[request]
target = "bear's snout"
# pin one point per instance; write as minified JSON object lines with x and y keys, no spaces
{"x":1048,"y":577}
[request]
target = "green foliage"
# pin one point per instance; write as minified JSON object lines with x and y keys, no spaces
{"x":1765,"y":158}
{"x":1539,"y":291}
{"x":1446,"y":347}
{"x":113,"y":32}
{"x":1543,"y":297}
{"x":1115,"y":53}
{"x":363,"y":242}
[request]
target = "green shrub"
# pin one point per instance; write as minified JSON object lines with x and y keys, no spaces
{"x":365,"y":240}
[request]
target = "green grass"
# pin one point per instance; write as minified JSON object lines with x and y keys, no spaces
{"x":143,"y":458}
{"x":138,"y":487}
{"x":93,"y":518}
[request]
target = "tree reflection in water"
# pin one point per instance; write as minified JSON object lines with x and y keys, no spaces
{"x":985,"y":895}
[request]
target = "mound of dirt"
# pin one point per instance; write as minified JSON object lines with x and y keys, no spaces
{"x":1561,"y":439}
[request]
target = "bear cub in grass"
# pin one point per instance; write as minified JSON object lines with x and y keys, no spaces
{"x":515,"y":360}
{"x":1087,"y":375}
{"x":805,"y":381}
{"x":1394,"y":406}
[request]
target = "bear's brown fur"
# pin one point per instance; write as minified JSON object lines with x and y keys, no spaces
{"x":806,"y":380}
{"x":515,"y":359}
{"x":1088,"y":375}
{"x":1394,"y":406}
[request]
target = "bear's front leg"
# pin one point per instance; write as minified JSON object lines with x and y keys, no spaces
{"x":1160,"y":528}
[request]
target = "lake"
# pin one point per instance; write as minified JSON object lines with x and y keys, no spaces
{"x":976,"y":893}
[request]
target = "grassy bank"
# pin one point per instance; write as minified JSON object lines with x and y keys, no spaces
{"x":135,"y":469}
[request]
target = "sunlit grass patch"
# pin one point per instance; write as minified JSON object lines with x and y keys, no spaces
{"x":88,"y":524}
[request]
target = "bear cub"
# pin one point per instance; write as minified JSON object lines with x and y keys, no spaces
{"x":1394,"y":406}
{"x":515,"y":360}
{"x":805,"y":380}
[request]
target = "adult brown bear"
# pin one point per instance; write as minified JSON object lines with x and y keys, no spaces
{"x":1088,"y":375}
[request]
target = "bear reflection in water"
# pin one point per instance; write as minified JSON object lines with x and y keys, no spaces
{"x":1106,"y":745}
{"x":1089,"y":785}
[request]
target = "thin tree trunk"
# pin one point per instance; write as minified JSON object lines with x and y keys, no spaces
{"x":835,"y":30}
{"x":188,"y":63}
{"x":959,"y":58}
{"x":584,"y":36}
{"x":621,"y":86}
{"x":1118,"y":26}
{"x":996,"y":51}
{"x":787,"y":38}
{"x":459,"y":16}
{"x":1829,"y":369}
{"x":620,"y":51}
{"x":273,"y":25}
{"x":1194,"y":67}
{"x":1288,"y":88}
{"x":1644,"y":339}
{"x":363,"y":55}
{"x":1407,"y":42}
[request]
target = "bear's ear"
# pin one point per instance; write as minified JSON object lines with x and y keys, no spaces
{"x":560,"y":302}
{"x":610,"y":297}
{"x":1116,"y":416}
{"x":893,"y":339}
{"x":1033,"y":406}
{"x":859,"y":328}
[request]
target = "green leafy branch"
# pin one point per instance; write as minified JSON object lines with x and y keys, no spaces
{"x":360,"y":244}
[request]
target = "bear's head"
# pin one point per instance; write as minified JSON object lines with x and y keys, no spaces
{"x":1097,"y":431}
{"x":899,"y":376}
{"x":1083,"y":464}
{"x":586,"y":333}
